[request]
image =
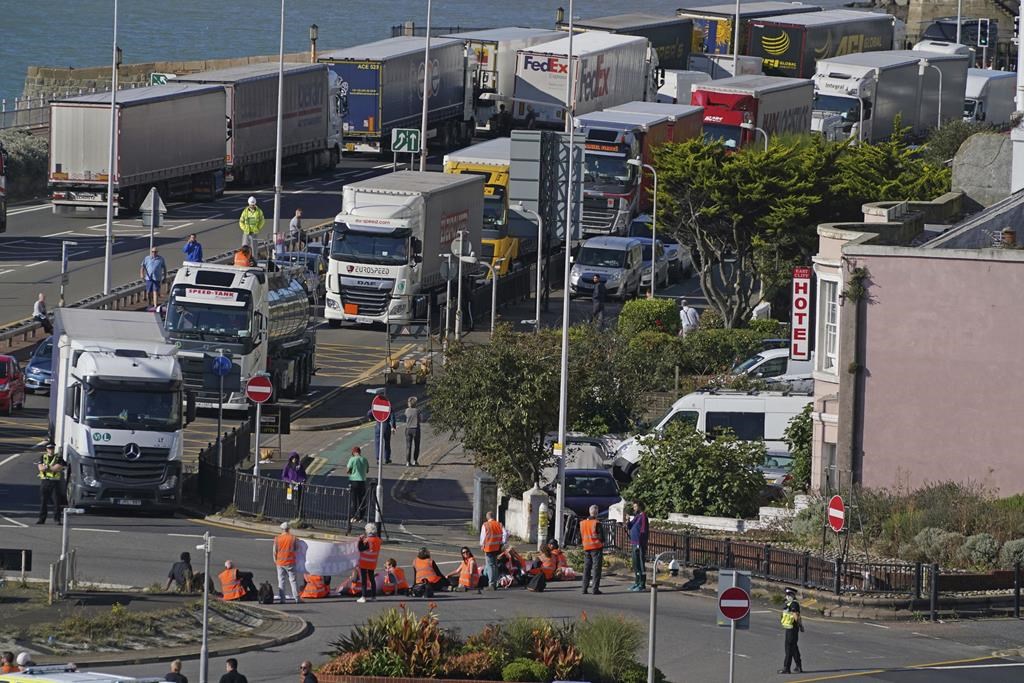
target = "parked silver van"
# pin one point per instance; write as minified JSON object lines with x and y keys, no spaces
{"x":618,"y":261}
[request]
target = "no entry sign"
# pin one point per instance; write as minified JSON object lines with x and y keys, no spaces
{"x":259,"y":389}
{"x":836,"y":513}
{"x":381,"y":409}
{"x":734,"y":603}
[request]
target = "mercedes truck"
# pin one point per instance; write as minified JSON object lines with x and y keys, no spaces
{"x":118,"y":408}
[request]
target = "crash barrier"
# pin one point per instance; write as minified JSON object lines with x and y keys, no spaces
{"x":62,"y":576}
{"x":317,"y":505}
{"x":210,"y":481}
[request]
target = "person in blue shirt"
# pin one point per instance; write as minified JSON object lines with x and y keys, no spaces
{"x":638,"y":532}
{"x":193,"y":250}
{"x":154,"y":272}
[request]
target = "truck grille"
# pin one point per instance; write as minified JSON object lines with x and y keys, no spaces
{"x":192,"y":374}
{"x":112,"y":466}
{"x":370,"y":301}
{"x":597,"y":217}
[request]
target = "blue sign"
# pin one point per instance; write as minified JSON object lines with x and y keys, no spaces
{"x":221,"y":366}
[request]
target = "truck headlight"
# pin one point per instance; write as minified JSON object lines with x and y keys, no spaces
{"x":574,"y":277}
{"x":169,"y":483}
{"x":332,"y":304}
{"x":89,"y":476}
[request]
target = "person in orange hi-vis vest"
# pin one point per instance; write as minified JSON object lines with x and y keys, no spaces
{"x":236,"y":585}
{"x":369,"y":549}
{"x":592,"y":534}
{"x":316,"y":588}
{"x":492,"y":537}
{"x":286,"y":550}
{"x":394,"y":578}
{"x":468,"y":572}
{"x":428,"y":573}
{"x":561,"y":561}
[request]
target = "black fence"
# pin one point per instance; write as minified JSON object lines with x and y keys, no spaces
{"x":210,"y":482}
{"x":324,"y":507}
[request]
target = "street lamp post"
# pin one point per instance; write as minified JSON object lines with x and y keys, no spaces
{"x":426,"y":98}
{"x":653,"y":617}
{"x":64,"y":267}
{"x":314,"y":33}
{"x":654,"y":221}
{"x":204,"y":652}
{"x":494,"y":285}
{"x":959,"y":19}
{"x":280,"y":120}
{"x":458,"y":296}
{"x":540,"y":238}
{"x":108,"y":247}
{"x":736,"y":41}
{"x":925,"y":64}
{"x":746,"y":125}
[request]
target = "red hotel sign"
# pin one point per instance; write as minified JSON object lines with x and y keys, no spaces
{"x":800,"y":339}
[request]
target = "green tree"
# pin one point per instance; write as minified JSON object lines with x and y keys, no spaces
{"x":798,"y":436}
{"x":605,"y":382}
{"x":648,"y":315}
{"x":27,"y":163}
{"x":682,"y":471}
{"x":942,"y":143}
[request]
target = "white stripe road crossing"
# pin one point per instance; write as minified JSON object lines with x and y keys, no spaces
{"x":101,"y":531}
{"x":8,"y":459}
{"x":27,"y":209}
{"x":37,"y":263}
{"x":14,"y":524}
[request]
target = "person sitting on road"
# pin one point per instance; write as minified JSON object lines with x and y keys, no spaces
{"x":243,"y":258}
{"x":512,"y":565}
{"x":181,"y":574}
{"x":7,"y":665}
{"x":394,"y":579}
{"x":468,"y":572}
{"x":236,"y":585}
{"x":560,"y":560}
{"x":317,"y":587}
{"x":428,"y":574}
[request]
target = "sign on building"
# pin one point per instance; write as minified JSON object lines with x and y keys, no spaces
{"x":800,"y":323}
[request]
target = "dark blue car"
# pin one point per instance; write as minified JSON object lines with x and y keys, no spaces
{"x":38,"y":374}
{"x":584,"y":488}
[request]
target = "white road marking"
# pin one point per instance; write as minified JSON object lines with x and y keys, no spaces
{"x":37,"y":263}
{"x":101,"y":531}
{"x":186,"y":535}
{"x":761,"y":611}
{"x":28,"y":209}
{"x":58,"y":234}
{"x":8,"y":459}
{"x":868,"y":623}
{"x":4,"y":272}
{"x":14,"y":524}
{"x":77,"y":253}
{"x":183,"y":225}
{"x":968,"y":666}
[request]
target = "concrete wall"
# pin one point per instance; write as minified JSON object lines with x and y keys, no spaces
{"x":981,"y":169}
{"x":942,"y":337}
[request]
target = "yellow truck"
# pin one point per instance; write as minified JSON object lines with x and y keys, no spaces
{"x":492,"y":160}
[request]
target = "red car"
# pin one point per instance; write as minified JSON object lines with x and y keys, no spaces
{"x":12,"y":385}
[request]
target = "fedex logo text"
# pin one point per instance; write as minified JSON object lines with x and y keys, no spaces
{"x":551,"y":64}
{"x":594,"y":82}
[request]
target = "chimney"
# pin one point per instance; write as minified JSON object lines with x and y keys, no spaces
{"x":1009,"y":238}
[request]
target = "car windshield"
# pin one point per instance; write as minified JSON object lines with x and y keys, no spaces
{"x":603,"y":258}
{"x":607,"y":170}
{"x":43,"y":351}
{"x":195,"y":320}
{"x":487,"y":251}
{"x":158,"y":409}
{"x":747,"y":364}
{"x":847,"y":107}
{"x":778,"y":461}
{"x":730,"y":135}
{"x":590,"y":486}
{"x":4,"y":365}
{"x":384,"y":249}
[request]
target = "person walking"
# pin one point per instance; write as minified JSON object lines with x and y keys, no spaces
{"x":295,"y":235}
{"x":412,"y":434}
{"x":285,"y":556}
{"x":597,"y":303}
{"x":369,"y":549}
{"x":175,"y":673}
{"x":193,"y":250}
{"x":689,"y":318}
{"x":792,"y":626}
{"x":493,"y":536}
{"x":306,"y":671}
{"x":250,"y":223}
{"x":231,"y":674}
{"x":40,"y":314}
{"x":153,"y":271}
{"x":357,"y":468}
{"x":51,"y":470}
{"x":388,"y":427}
{"x":592,"y":534}
{"x":638,"y":533}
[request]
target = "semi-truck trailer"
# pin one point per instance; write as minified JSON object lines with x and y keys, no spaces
{"x":609,"y":69}
{"x":118,"y":408}
{"x":310,"y":131}
{"x":381,"y":88}
{"x":678,"y":84}
{"x":388,"y":240}
{"x":772,"y":103}
{"x":492,"y":68}
{"x":714,"y":28}
{"x":989,"y":96}
{"x":169,"y":136}
{"x":505,"y":245}
{"x":863,"y":93}
{"x":615,"y":190}
{"x":790,"y":45}
{"x":671,"y":37}
{"x":944,"y":103}
{"x":259,"y":319}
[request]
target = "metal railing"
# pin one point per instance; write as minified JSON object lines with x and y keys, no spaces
{"x":34,"y":111}
{"x":325,"y":507}
{"x":210,"y":483}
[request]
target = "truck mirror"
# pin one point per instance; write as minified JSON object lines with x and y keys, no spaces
{"x":190,"y":407}
{"x":417,"y":258}
{"x":417,"y":247}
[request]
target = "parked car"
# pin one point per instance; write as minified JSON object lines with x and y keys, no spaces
{"x":314,"y":270}
{"x":584,"y":488}
{"x":37,"y":373}
{"x":12,"y":385}
{"x":775,"y":364}
{"x":679,"y":262}
{"x":582,"y":452}
{"x":617,"y":261}
{"x":661,"y":268}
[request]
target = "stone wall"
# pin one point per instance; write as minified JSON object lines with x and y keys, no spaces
{"x":48,"y":81}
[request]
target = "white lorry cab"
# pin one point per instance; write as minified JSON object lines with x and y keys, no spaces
{"x":754,"y":416}
{"x":67,"y":673}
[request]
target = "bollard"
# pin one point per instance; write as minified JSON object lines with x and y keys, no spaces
{"x":542,"y":526}
{"x":1016,"y":590}
{"x":933,"y":591}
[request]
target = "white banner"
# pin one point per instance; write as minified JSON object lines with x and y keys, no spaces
{"x":324,"y":558}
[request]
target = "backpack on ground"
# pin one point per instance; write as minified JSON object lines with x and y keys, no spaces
{"x":265,"y":594}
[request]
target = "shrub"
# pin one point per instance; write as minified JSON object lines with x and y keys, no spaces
{"x":608,"y":644}
{"x":767,"y":328}
{"x":648,"y":315}
{"x":523,"y":669}
{"x":655,"y":356}
{"x":27,"y":158}
{"x":798,"y":435}
{"x":807,"y":523}
{"x":384,"y":663}
{"x":979,"y":550}
{"x":937,"y":545}
{"x":710,"y":319}
{"x":348,"y":664}
{"x":1011,"y":553}
{"x":517,"y":635}
{"x":634,"y":672}
{"x":479,"y":665}
{"x":709,"y":351}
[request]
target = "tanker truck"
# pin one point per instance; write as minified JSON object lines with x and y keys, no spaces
{"x":257,"y":318}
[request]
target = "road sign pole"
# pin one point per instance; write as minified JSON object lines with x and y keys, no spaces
{"x":380,"y":473}
{"x":256,"y":458}
{"x":732,"y":638}
{"x":220,"y":420}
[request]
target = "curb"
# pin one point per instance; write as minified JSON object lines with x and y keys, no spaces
{"x":275,"y":528}
{"x":193,"y":652}
{"x":330,"y":426}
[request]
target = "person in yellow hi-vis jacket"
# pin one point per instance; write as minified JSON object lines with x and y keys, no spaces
{"x":250,"y":223}
{"x":793,"y":625}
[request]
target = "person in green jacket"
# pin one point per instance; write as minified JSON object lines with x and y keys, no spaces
{"x":250,"y":223}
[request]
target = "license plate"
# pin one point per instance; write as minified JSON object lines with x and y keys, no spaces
{"x":363,"y":319}
{"x":133,"y":502}
{"x":48,"y":381}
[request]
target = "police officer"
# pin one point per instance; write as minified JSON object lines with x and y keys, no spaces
{"x":792,"y":624}
{"x":51,"y":468}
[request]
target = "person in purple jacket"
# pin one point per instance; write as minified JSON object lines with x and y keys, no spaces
{"x":638,"y":531}
{"x":294,"y":474}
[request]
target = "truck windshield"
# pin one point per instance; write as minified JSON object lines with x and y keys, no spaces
{"x":607,"y":170}
{"x":730,"y":135}
{"x":847,"y":107}
{"x":970,"y":106}
{"x":193,"y":320}
{"x":494,"y":211}
{"x":132,"y":408}
{"x":602,"y":258}
{"x":384,"y":249}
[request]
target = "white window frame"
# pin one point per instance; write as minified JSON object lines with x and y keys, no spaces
{"x":828,"y":360}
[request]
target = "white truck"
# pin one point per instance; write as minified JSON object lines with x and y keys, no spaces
{"x":858,"y":96}
{"x":678,"y":84}
{"x":945,"y":103}
{"x":609,"y":69}
{"x":738,"y":109}
{"x":990,"y":96}
{"x":259,"y":319}
{"x":492,"y":65}
{"x":387,"y":244}
{"x":118,"y":408}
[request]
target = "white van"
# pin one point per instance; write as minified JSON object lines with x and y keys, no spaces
{"x":617,"y":261}
{"x":754,"y":416}
{"x":775,"y":364}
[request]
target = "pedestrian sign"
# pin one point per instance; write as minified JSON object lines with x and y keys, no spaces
{"x":405,"y":140}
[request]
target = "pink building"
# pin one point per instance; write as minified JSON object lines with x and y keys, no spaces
{"x":918,"y":376}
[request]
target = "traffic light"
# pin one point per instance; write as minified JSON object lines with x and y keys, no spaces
{"x":983,"y":33}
